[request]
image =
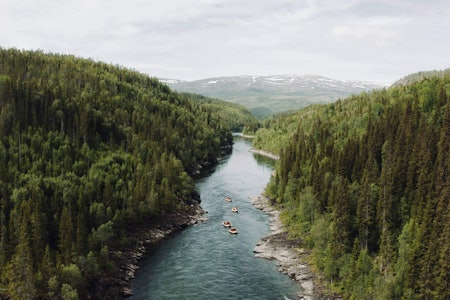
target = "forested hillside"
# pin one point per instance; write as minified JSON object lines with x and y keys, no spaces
{"x":276,"y":131}
{"x":365,"y":183}
{"x":232,"y":115}
{"x":419,"y":76}
{"x":88,"y":150}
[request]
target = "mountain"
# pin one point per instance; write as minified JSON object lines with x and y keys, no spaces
{"x":266,"y":95}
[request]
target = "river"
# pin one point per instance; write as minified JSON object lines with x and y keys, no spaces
{"x":205,"y":261}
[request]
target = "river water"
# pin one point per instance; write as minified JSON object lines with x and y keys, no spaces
{"x":205,"y":261}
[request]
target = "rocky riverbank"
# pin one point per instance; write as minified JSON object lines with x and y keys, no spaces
{"x":290,"y":256}
{"x":265,"y":153}
{"x":142,"y":239}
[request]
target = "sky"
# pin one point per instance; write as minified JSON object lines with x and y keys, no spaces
{"x":377,"y":41}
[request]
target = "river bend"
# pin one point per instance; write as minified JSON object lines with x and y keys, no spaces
{"x":205,"y":261}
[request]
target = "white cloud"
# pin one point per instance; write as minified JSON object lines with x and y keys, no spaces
{"x":358,"y":39}
{"x":380,"y":29}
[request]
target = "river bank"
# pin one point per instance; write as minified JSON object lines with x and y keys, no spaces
{"x":207,"y":250}
{"x":265,"y":153}
{"x":144,"y":238}
{"x":150,"y":234}
{"x":289,"y":254}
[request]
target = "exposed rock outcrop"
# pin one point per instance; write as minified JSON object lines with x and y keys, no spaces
{"x":265,"y":153}
{"x":146,"y":237}
{"x":290,"y":257}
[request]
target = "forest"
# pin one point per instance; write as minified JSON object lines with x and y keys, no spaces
{"x":88,"y":151}
{"x":91,"y":150}
{"x":364,"y":183}
{"x":236,"y":116}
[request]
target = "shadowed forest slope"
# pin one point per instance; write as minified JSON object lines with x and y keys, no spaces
{"x":88,"y":151}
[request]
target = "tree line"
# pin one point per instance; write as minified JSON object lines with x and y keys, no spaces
{"x":236,"y":116}
{"x":365,"y":182}
{"x":88,"y":151}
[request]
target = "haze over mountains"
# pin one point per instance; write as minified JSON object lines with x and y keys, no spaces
{"x":266,"y":95}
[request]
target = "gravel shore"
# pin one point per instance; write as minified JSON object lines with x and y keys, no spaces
{"x":290,"y":256}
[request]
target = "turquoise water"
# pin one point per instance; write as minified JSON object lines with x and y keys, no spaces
{"x":205,"y":261}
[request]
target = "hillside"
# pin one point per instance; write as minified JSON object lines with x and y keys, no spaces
{"x":364,"y":182}
{"x":267,"y":95}
{"x":89,"y":152}
{"x":234,"y":116}
{"x":419,"y":76}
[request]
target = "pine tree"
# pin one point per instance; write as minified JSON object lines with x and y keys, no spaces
{"x":368,"y":197}
{"x":20,"y":270}
{"x":441,"y":272}
{"x":386,"y":213}
{"x":65,"y":235}
{"x":3,"y":236}
{"x":342,"y":237}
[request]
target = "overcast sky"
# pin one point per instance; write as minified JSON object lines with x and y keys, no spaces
{"x":379,"y":41}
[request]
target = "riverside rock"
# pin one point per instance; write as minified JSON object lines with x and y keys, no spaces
{"x":287,"y":252}
{"x":265,"y":153}
{"x":149,"y":236}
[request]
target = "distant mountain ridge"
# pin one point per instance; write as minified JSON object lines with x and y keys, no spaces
{"x":265,"y":95}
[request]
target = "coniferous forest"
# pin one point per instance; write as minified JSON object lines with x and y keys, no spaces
{"x":365,"y":183}
{"x":88,"y":151}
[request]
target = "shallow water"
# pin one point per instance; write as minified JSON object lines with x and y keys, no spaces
{"x":205,"y":261}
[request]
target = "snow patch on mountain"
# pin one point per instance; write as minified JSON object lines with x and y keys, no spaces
{"x":278,"y":81}
{"x":276,"y":93}
{"x":170,"y":81}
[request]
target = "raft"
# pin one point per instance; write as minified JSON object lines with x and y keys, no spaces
{"x":226,"y":223}
{"x":233,"y":230}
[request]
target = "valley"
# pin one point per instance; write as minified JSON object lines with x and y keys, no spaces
{"x":268,"y":95}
